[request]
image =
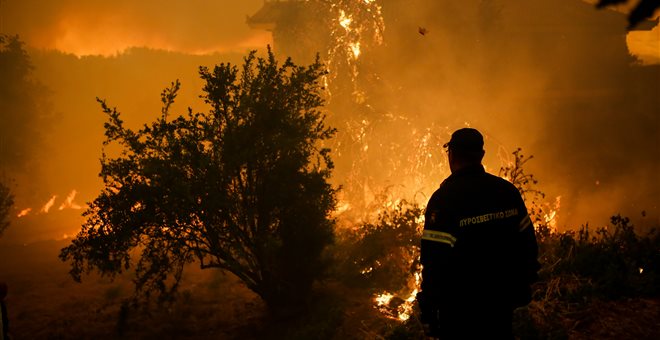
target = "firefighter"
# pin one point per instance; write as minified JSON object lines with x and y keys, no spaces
{"x":478,"y":249}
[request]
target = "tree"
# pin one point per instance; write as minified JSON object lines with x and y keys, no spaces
{"x":242,"y":188}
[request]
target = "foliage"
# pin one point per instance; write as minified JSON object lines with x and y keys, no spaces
{"x":581,"y":270}
{"x":526,"y":184}
{"x":383,"y":255}
{"x":6,"y":202}
{"x":241,"y":188}
{"x":614,"y":262}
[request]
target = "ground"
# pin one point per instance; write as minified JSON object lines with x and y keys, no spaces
{"x":45,"y":303}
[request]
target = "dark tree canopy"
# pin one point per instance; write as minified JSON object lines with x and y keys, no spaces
{"x":241,"y":188}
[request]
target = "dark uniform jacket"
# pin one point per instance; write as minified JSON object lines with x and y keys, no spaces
{"x":478,"y":250}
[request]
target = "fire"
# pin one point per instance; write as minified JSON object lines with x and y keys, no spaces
{"x":550,"y":218}
{"x":344,"y":21}
{"x":355,"y":48}
{"x":358,"y":24}
{"x":24,"y":212}
{"x":48,"y":204}
{"x":68,"y":203}
{"x":404,"y":310}
{"x":383,"y":299}
{"x":342,"y":206}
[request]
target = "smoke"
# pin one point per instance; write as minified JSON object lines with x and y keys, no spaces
{"x":107,"y":27}
{"x":554,"y":78}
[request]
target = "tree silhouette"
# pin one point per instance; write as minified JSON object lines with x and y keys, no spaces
{"x":242,"y":188}
{"x":643,"y":10}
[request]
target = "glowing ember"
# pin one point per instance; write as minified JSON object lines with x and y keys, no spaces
{"x":367,"y":270}
{"x":136,"y":207}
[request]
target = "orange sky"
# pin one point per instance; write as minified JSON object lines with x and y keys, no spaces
{"x":97,"y":27}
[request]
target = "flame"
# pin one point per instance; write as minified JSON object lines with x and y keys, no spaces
{"x":383,"y":299}
{"x":550,"y":218}
{"x":404,"y":311}
{"x":68,"y":202}
{"x":355,"y":48}
{"x":345,"y":21}
{"x":342,"y":206}
{"x":48,"y":204}
{"x":358,"y":23}
{"x":24,"y":212}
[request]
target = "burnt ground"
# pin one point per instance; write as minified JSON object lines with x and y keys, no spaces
{"x":45,"y":303}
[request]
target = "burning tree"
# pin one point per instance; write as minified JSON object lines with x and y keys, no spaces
{"x":242,"y":188}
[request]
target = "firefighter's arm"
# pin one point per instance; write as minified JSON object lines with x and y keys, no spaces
{"x":434,"y":256}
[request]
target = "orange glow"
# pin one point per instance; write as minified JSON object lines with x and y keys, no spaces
{"x":83,"y":39}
